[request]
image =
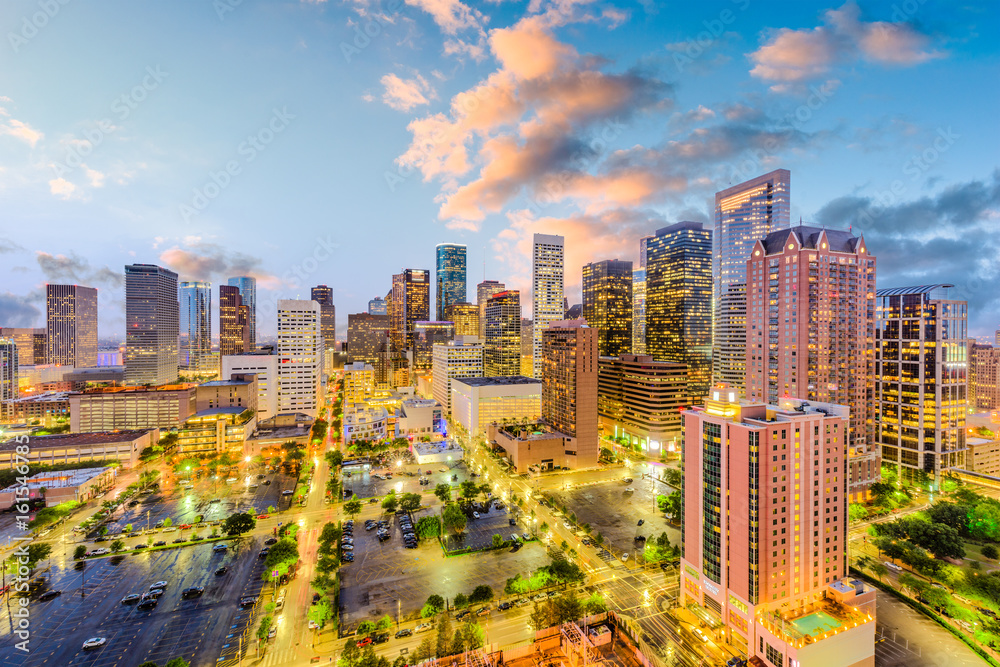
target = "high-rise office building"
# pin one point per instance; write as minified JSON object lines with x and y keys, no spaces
{"x":640,"y":399}
{"x":377,"y":306}
{"x":639,"y":300}
{"x":367,"y":342}
{"x":921,"y":380}
{"x":502,"y":346}
{"x":71,"y":325}
{"x":31,"y":344}
{"x":426,"y":336}
{"x":811,"y":331}
{"x":234,"y":322}
{"x":300,"y":356}
{"x":569,"y":387}
{"x":460,"y":358}
{"x":450,"y":276}
{"x":152,"y":325}
{"x":547,"y":290}
{"x":248,"y":294}
{"x":743,"y":213}
{"x":984,"y":377}
{"x":764,"y":530}
{"x":607,"y":304}
{"x":465,"y":315}
{"x":484,"y":291}
{"x":196,"y":327}
{"x":323,"y":295}
{"x":8,"y":378}
{"x":411,"y":303}
{"x":359,"y":383}
{"x":527,"y":347}
{"x":679,"y":301}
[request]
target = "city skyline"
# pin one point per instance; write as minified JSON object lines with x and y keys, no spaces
{"x":868,"y":146}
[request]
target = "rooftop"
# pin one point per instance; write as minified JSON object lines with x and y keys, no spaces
{"x":76,"y":439}
{"x":226,"y":383}
{"x":497,"y":380}
{"x":182,"y":386}
{"x":44,"y":397}
{"x":55,"y":479}
{"x":426,"y":448}
{"x":939,"y":291}
{"x":808,"y":237}
{"x":226,"y":410}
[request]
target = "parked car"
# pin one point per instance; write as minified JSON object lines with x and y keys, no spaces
{"x":192,"y":592}
{"x":159,"y":584}
{"x":270,"y":540}
{"x":423,"y":627}
{"x":363,"y":642}
{"x":131,"y":598}
{"x":49,"y":595}
{"x":381,"y":638}
{"x":462,"y":614}
{"x":247,"y":601}
{"x":405,"y":632}
{"x":160,"y":543}
{"x":94,"y":642}
{"x":221,"y":571}
{"x":147,"y":604}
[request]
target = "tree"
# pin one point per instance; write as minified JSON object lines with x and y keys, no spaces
{"x":595,"y":604}
{"x":984,"y":520}
{"x":383,"y":623}
{"x":661,"y":502}
{"x":38,"y":552}
{"x":178,"y":662}
{"x":481,"y":593}
{"x":149,"y":663}
{"x":321,"y":612}
{"x":281,"y":557}
{"x":473,"y":634}
{"x":856,"y":512}
{"x":879,"y":570}
{"x":673,"y":510}
{"x":168,"y":522}
{"x":564,"y":571}
{"x":457,"y":642}
{"x":391,"y":502}
{"x":237,"y":524}
{"x":443,"y":637}
{"x":334,"y":458}
{"x":454,"y":518}
{"x":497,"y":541}
{"x":265,"y":625}
{"x":538,"y":619}
{"x":461,"y":601}
{"x":425,"y":650}
{"x":117,"y":545}
{"x":409,"y":502}
{"x":79,"y":552}
{"x":468,"y":489}
{"x":673,"y":477}
{"x":443,"y":492}
{"x":353,"y":506}
{"x":990,"y":552}
{"x":565,"y":608}
{"x":428,"y":526}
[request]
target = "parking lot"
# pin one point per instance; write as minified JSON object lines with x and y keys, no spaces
{"x":479,"y":532}
{"x":405,"y":479}
{"x":386,"y":578}
{"x":90,"y":606}
{"x":613,"y":511}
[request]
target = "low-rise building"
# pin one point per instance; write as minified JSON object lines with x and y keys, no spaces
{"x":274,"y":432}
{"x":477,"y":402}
{"x":427,"y":453}
{"x":365,"y":423}
{"x":80,"y":484}
{"x":217,"y":431}
{"x":45,"y":406}
{"x":118,"y":408}
{"x":419,"y":417}
{"x":640,"y":399}
{"x":983,"y":456}
{"x":239,"y":391}
{"x":533,"y":447}
{"x":122,"y":446}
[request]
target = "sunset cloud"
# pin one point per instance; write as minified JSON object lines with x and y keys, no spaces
{"x":405,"y":94}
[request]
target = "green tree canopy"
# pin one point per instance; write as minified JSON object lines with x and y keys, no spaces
{"x":454,"y":518}
{"x":481,"y":593}
{"x":353,"y":506}
{"x":237,"y":524}
{"x":409,"y":502}
{"x":443,"y":492}
{"x":390,"y":503}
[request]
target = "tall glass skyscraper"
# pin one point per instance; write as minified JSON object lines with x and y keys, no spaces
{"x":451,"y":270}
{"x":679,"y":301}
{"x":502,"y":347}
{"x":248,"y":294}
{"x":196,"y":326}
{"x":377,"y":306}
{"x":152,"y":325}
{"x":743,"y":213}
{"x":547,"y":290}
{"x":71,"y":325}
{"x":323,"y":295}
{"x":607,"y":304}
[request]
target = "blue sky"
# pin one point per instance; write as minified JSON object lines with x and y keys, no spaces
{"x":337,"y":142}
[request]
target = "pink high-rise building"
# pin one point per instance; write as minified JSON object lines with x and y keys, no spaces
{"x":811,"y":331}
{"x":765,"y":530}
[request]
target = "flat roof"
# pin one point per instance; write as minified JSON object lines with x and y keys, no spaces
{"x":77,"y":439}
{"x":137,"y":390}
{"x":497,"y":380}
{"x":225,"y":383}
{"x":55,"y":479}
{"x":226,"y":410}
{"x":436,"y":447}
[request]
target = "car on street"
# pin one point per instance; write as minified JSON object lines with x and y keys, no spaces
{"x":263,"y":553}
{"x":475,"y":515}
{"x":462,"y":614}
{"x":263,"y":516}
{"x":221,"y":571}
{"x":160,"y":543}
{"x":424,"y":627}
{"x":247,"y":601}
{"x":364,"y":642}
{"x":405,"y":632}
{"x":699,"y":633}
{"x":630,"y":490}
{"x":197,"y":538}
{"x":627,"y":480}
{"x":273,"y":632}
{"x":49,"y":595}
{"x":287,"y":492}
{"x":94,"y":642}
{"x":185,"y":526}
{"x":641,"y":521}
{"x":169,"y":529}
{"x":483,"y":612}
{"x":504,"y":606}
{"x":192,"y":592}
{"x":159,"y":584}
{"x":179,"y":540}
{"x":131,"y":598}
{"x":140,"y":547}
{"x":270,"y":540}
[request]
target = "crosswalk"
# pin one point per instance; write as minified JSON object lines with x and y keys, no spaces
{"x":289,"y":657}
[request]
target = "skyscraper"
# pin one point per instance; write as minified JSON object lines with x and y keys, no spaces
{"x":465,"y":315}
{"x":323,"y":295}
{"x":367,"y":340}
{"x":679,"y":301}
{"x":411,"y":301}
{"x":152,"y":325}
{"x":450,"y":275}
{"x":743,"y":213}
{"x":196,"y":326}
{"x":300,"y":356}
{"x":426,"y":335}
{"x":921,"y":380}
{"x":377,"y":306}
{"x":8,"y":377}
{"x":71,"y":325}
{"x":569,"y":387}
{"x":764,"y":530}
{"x":547,"y":296}
{"x":460,"y":358}
{"x":31,"y":344}
{"x":248,"y":293}
{"x":234,"y":322}
{"x":639,"y":300}
{"x":502,"y":347}
{"x":607,"y":304}
{"x":811,"y":331}
{"x":484,"y":291}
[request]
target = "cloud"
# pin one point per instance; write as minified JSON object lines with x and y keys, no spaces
{"x":18,"y":129}
{"x":405,"y":94}
{"x":201,"y":260}
{"x":61,"y":188}
{"x":8,"y":246}
{"x":18,"y":311}
{"x":450,"y":15}
{"x":948,"y":237}
{"x":791,"y":57}
{"x":75,"y":269}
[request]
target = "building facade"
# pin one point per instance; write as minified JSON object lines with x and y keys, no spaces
{"x":359,"y":383}
{"x":477,"y":402}
{"x":300,"y":356}
{"x":426,"y":336}
{"x":679,"y":301}
{"x":8,"y":378}
{"x":547,"y":290}
{"x":984,"y":383}
{"x":639,"y":300}
{"x":502,"y":342}
{"x":569,"y":388}
{"x":234,"y":322}
{"x":152,"y":325}
{"x":765,"y":526}
{"x":124,"y":408}
{"x":71,"y":325}
{"x":265,"y":367}
{"x":460,"y":358}
{"x":921,"y":380}
{"x":465,"y":315}
{"x":811,"y":331}
{"x":368,"y":342}
{"x":248,"y":296}
{"x":450,"y":269}
{"x":323,"y":295}
{"x":640,"y":399}
{"x":377,"y":306}
{"x":411,"y":303}
{"x":484,"y":291}
{"x":196,"y":327}
{"x":607,"y":304}
{"x":217,"y":431}
{"x":367,"y":423}
{"x":743,"y":213}
{"x":31,"y":344}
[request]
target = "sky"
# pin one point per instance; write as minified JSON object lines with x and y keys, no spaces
{"x":323,"y":142}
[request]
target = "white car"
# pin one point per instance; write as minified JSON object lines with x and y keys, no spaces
{"x":94,"y":642}
{"x":567,"y":525}
{"x":624,"y":557}
{"x":159,"y":584}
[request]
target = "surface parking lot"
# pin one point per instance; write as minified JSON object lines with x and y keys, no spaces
{"x":479,"y":532}
{"x":615,"y":512}
{"x":364,"y":484}
{"x":90,"y":606}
